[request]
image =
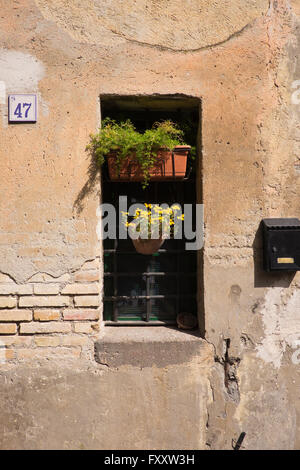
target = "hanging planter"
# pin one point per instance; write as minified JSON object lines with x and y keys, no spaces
{"x":168,"y":165}
{"x":152,"y":219}
{"x":147,"y":246}
{"x":157,"y":154}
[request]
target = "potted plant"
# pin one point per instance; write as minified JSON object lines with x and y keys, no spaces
{"x":151,"y":225}
{"x":157,"y":154}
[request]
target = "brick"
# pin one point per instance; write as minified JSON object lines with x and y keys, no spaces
{"x":46,"y":341}
{"x":16,"y":340}
{"x":46,"y":315}
{"x":15,"y":315}
{"x":86,"y":328}
{"x":6,"y":354}
{"x":46,"y":289}
{"x":87,"y":276}
{"x":74,"y":289}
{"x":48,"y":353}
{"x":9,"y":354}
{"x":8,"y":289}
{"x":44,"y":301}
{"x":13,"y":289}
{"x":24,"y":289}
{"x":81,"y":314}
{"x":8,"y":302}
{"x":87,"y":301}
{"x":43,"y":328}
{"x":8,"y":328}
{"x":74,"y":341}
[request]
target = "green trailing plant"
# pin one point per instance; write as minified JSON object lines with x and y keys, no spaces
{"x":123,"y":140}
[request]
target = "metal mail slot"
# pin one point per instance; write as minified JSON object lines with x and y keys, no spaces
{"x":281,"y":244}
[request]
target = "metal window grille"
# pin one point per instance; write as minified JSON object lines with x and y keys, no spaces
{"x":147,"y":290}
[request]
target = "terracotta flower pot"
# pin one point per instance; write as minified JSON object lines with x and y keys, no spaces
{"x":148,"y":246}
{"x":186,"y":321}
{"x":168,"y":166}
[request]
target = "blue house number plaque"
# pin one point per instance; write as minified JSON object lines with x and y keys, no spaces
{"x":22,"y":108}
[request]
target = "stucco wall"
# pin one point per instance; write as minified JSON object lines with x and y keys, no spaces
{"x":241,"y":59}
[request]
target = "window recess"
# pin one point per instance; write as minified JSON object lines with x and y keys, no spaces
{"x":149,"y":289}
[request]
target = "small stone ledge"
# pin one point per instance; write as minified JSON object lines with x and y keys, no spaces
{"x":150,"y":346}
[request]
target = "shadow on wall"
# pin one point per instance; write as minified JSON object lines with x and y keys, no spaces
{"x":93,"y":175}
{"x":261,"y":277}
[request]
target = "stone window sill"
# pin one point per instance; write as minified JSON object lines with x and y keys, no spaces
{"x":149,"y":346}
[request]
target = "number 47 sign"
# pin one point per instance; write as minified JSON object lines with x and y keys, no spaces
{"x":22,"y":108}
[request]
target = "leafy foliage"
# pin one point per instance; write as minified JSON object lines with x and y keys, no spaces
{"x":123,"y":140}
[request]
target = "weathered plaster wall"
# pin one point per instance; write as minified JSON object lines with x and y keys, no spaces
{"x":258,"y":312}
{"x":241,"y":59}
{"x":200,"y":24}
{"x":147,"y":402}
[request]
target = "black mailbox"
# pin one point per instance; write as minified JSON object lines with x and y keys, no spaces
{"x":281,"y":244}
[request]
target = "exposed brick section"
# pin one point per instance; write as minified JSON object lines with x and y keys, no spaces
{"x":16,"y":340}
{"x":36,"y":308}
{"x":78,"y":289}
{"x":86,"y":328}
{"x":87,"y":301}
{"x":43,"y":328}
{"x":52,"y":301}
{"x":46,"y":289}
{"x":80,"y":314}
{"x":13,"y":289}
{"x":87,"y":276}
{"x":8,"y":302}
{"x":24,"y":289}
{"x":46,"y":315}
{"x":15,"y":315}
{"x":47,"y":341}
{"x":8,"y":328}
{"x":74,"y":341}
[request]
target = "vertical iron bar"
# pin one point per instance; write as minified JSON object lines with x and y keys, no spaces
{"x":148,"y":301}
{"x":115,"y":308}
{"x":177,"y":284}
{"x":177,"y":257}
{"x":173,"y":166}
{"x":150,"y":278}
